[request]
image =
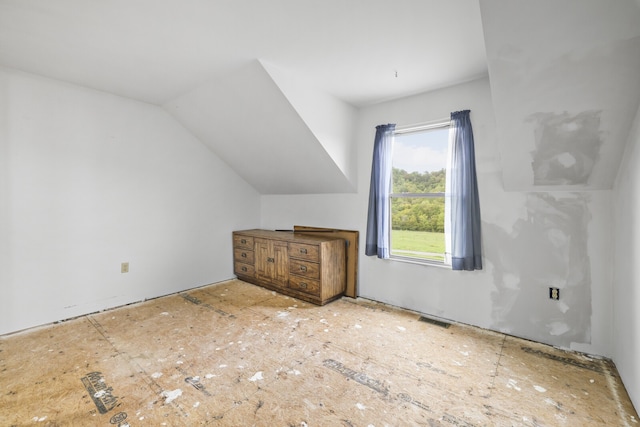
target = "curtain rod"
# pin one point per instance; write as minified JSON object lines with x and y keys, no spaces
{"x":434,"y":124}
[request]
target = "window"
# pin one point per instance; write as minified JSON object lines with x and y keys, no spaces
{"x":417,"y":198}
{"x":463,"y":246}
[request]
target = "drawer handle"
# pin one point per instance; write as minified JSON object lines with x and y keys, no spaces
{"x":243,"y":241}
{"x":303,"y":251}
{"x":244,"y":269}
{"x":271,"y":260}
{"x":244,"y":254}
{"x":303,"y":285}
{"x":303,"y":268}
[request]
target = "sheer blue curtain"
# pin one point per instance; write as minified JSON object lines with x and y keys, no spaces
{"x":377,"y":241}
{"x":466,"y":252}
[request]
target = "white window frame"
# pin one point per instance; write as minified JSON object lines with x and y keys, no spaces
{"x":420,"y":128}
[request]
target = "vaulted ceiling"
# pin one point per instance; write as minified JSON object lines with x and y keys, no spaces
{"x":267,"y":83}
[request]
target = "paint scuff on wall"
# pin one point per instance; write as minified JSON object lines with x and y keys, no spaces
{"x":547,"y":247}
{"x":567,"y":147}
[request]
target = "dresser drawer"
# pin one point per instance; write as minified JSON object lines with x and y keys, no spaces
{"x":244,"y":269}
{"x":240,"y":241}
{"x":303,"y":268}
{"x":302,"y":251}
{"x":243,"y":255}
{"x":304,"y":284}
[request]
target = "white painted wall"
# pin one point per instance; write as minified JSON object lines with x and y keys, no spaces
{"x":5,"y":227}
{"x":531,"y":240}
{"x":626,"y":280}
{"x":246,"y":119}
{"x":331,"y":120}
{"x":89,"y":180}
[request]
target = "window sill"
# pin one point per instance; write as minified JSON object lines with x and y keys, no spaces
{"x":425,"y":262}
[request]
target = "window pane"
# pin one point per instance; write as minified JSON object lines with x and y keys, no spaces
{"x":417,"y":228}
{"x":418,"y":214}
{"x":416,"y":182}
{"x":421,"y":151}
{"x":418,"y":244}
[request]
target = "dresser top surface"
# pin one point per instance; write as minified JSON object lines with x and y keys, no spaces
{"x":288,"y":236}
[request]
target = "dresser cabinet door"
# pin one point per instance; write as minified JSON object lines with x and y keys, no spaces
{"x":281,"y":263}
{"x":272,"y":261}
{"x":264,"y":267}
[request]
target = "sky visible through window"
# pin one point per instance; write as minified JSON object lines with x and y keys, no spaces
{"x":421,"y":151}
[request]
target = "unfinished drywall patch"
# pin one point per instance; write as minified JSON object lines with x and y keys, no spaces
{"x":567,"y":147}
{"x":546,"y":249}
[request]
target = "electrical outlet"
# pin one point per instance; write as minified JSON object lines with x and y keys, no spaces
{"x":124,"y":267}
{"x":554,"y":293}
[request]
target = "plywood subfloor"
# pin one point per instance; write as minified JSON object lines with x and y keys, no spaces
{"x":234,"y":354}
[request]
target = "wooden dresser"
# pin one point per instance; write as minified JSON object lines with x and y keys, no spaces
{"x":308,"y":267}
